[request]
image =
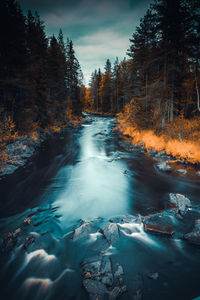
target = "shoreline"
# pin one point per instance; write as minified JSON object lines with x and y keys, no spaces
{"x":24,"y":147}
{"x":163,"y":161}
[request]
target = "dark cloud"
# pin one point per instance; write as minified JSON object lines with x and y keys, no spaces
{"x":99,"y":29}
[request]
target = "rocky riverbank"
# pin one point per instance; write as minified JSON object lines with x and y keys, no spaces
{"x":102,"y":276}
{"x":18,"y":153}
{"x":163,"y":162}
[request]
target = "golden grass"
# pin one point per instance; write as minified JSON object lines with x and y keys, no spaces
{"x":181,"y":144}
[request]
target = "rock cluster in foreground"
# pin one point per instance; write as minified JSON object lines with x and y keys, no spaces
{"x":103,"y":276}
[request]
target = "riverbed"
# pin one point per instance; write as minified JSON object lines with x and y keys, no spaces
{"x":91,"y":174}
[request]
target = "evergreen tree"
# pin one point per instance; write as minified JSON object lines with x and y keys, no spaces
{"x":107,"y":103}
{"x":73,"y":79}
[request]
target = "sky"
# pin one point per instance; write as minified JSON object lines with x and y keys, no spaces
{"x":99,"y":29}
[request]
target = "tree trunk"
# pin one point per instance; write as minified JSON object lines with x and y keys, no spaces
{"x":146,"y":90}
{"x":172,"y":100}
{"x":163,"y":118}
{"x":197,"y":88}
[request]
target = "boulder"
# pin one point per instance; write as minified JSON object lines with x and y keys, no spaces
{"x":83,"y":231}
{"x":98,"y":277}
{"x":111,"y":233}
{"x":159,"y":224}
{"x":125,"y":219}
{"x":106,"y":271}
{"x":193,"y":237}
{"x":180,"y":203}
{"x":163,"y":166}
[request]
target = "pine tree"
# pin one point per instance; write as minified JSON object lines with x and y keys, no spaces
{"x":73,"y":79}
{"x":107,"y":103}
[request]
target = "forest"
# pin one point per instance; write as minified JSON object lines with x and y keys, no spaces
{"x":157,"y":89}
{"x":155,"y":92}
{"x":41,"y":82}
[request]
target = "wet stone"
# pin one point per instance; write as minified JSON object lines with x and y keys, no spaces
{"x":125,"y":219}
{"x":117,"y":291}
{"x":95,"y":288}
{"x":163,"y":166}
{"x":193,"y":237}
{"x":159,"y":224}
{"x":11,"y":239}
{"x":153,"y":152}
{"x":83,"y":231}
{"x":153,"y":276}
{"x":30,"y":239}
{"x":180,"y":202}
{"x":119,"y":272}
{"x":98,"y":277}
{"x":111,"y":233}
{"x":182,"y":171}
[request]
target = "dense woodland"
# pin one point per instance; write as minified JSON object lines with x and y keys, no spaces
{"x":157,"y":88}
{"x":40,"y":77}
{"x":161,"y":78}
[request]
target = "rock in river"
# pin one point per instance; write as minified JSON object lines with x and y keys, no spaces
{"x":83,"y":231}
{"x":111,"y":233}
{"x":163,"y":166}
{"x":159,"y":224}
{"x":99,"y":278}
{"x":11,"y":239}
{"x":180,"y":202}
{"x":193,"y":237}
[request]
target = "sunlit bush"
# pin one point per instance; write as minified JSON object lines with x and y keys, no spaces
{"x":180,"y":139}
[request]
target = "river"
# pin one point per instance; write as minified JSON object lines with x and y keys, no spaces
{"x":90,"y":173}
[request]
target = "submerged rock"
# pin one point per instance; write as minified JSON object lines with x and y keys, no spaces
{"x":153,"y":276}
{"x":100,"y":280}
{"x":163,"y":166}
{"x":117,"y":291}
{"x":95,"y":288}
{"x":119,"y":272}
{"x":11,"y":239}
{"x":30,"y":239}
{"x":180,"y":202}
{"x":182,"y":171}
{"x":159,"y":224}
{"x":193,"y":237}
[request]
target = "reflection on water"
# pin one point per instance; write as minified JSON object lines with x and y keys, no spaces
{"x":97,"y":186}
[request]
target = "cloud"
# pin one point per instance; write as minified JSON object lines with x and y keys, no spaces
{"x":93,"y":50}
{"x":99,"y":29}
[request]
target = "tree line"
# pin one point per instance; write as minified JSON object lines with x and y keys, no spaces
{"x":161,"y":78}
{"x":41,"y":81}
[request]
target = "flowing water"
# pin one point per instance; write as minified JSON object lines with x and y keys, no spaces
{"x":90,"y":173}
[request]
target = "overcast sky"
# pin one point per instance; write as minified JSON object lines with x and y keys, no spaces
{"x":99,"y":29}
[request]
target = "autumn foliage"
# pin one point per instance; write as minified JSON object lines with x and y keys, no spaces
{"x":180,"y":139}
